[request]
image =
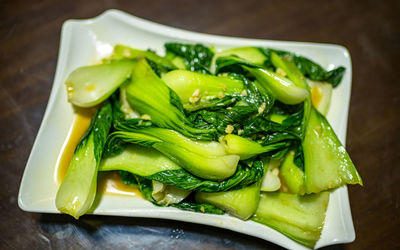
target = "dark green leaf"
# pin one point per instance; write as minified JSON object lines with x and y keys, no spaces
{"x":182,"y":179}
{"x":335,"y":76}
{"x":299,"y":157}
{"x":198,"y":207}
{"x":285,"y":109}
{"x":260,"y":125}
{"x":99,"y":126}
{"x":309,"y":68}
{"x":237,"y":112}
{"x":146,"y":188}
{"x":176,"y":101}
{"x":197,"y":57}
{"x":156,"y":68}
{"x":232,"y":64}
{"x":128,"y":178}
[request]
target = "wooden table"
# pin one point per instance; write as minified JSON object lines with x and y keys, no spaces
{"x":29,"y":40}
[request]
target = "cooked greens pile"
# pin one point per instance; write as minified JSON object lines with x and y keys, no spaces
{"x":241,"y":131}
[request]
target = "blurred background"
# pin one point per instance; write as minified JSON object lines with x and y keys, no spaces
{"x":370,"y":30}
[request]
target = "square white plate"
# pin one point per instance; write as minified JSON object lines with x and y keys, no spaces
{"x":84,"y":42}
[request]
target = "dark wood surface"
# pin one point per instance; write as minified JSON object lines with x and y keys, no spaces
{"x":29,"y":40}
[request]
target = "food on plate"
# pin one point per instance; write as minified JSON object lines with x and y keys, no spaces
{"x":240,"y":131}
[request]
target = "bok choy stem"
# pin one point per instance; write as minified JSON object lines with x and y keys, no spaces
{"x":76,"y":194}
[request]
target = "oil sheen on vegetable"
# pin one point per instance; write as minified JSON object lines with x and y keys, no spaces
{"x":109,"y":182}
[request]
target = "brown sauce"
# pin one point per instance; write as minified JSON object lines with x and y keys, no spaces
{"x":108,"y":182}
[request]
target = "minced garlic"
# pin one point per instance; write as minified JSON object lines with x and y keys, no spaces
{"x":196,"y":92}
{"x":127,"y":52}
{"x":318,"y":130}
{"x":229,"y":129}
{"x":195,"y":96}
{"x":275,"y":172}
{"x":194,"y":99}
{"x":261,"y":108}
{"x":145,"y":117}
{"x":281,"y":72}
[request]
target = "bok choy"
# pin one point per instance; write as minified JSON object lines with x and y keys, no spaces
{"x":78,"y":189}
{"x":240,"y":131}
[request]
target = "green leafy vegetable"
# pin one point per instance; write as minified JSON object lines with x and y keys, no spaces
{"x":233,"y":64}
{"x":299,"y":217}
{"x":151,"y":164}
{"x":236,"y":112}
{"x":297,"y":78}
{"x":165,"y":194}
{"x":149,"y":95}
{"x":127,"y":178}
{"x":251,"y":54}
{"x":195,"y":89}
{"x":146,"y":188}
{"x":198,"y":207}
{"x":78,"y":189}
{"x":293,"y":73}
{"x":246,"y":149}
{"x":184,"y":180}
{"x":292,"y":175}
{"x":309,"y":68}
{"x":204,"y":159}
{"x":138,"y":160}
{"x":90,"y":85}
{"x":241,"y":203}
{"x":205,"y":132}
{"x":280,"y":87}
{"x":195,"y":57}
{"x":326,"y":162}
{"x":122,"y":51}
{"x":262,"y":57}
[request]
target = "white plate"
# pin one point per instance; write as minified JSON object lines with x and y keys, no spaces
{"x":84,"y":42}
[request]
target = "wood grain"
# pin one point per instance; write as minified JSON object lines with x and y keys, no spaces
{"x":29,"y":40}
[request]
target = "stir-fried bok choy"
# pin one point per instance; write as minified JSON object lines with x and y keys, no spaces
{"x":240,"y":131}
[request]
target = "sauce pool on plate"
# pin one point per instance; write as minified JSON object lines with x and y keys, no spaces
{"x":108,"y":182}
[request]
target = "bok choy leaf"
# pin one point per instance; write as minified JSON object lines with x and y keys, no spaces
{"x":76,"y":194}
{"x":90,"y":85}
{"x":125,"y":52}
{"x":146,"y":188}
{"x":153,"y":165}
{"x":195,"y":89}
{"x":241,"y":203}
{"x":150,"y":96}
{"x":195,"y":57}
{"x":299,"y":217}
{"x":327,"y":164}
{"x":204,"y":159}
